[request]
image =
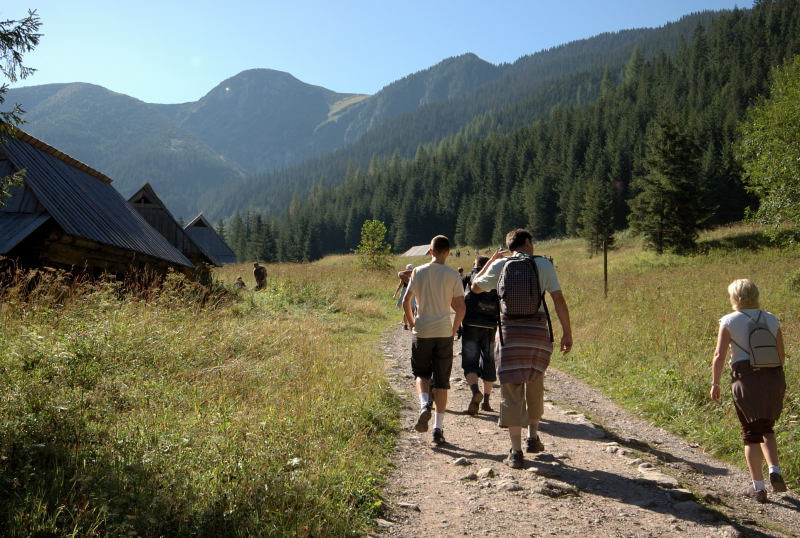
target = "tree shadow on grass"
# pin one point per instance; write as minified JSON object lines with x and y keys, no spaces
{"x":57,"y":489}
{"x":750,"y":241}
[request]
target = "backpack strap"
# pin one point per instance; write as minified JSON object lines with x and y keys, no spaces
{"x":542,"y":300}
{"x":730,"y":334}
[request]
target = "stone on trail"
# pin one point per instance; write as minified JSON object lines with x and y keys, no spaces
{"x":711,"y":497}
{"x":509,"y":485}
{"x":470,"y":476}
{"x":461,"y":461}
{"x":486,"y":472}
{"x":645,"y":466}
{"x":680,"y":494}
{"x":384,"y":524}
{"x":657,"y":477}
{"x":541,"y":471}
{"x":635,"y":461}
{"x":410,"y":506}
{"x":556,"y":488}
{"x":612,"y":449}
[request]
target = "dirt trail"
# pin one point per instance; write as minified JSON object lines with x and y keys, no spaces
{"x":603,"y":472}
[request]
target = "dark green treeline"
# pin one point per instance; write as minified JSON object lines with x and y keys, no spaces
{"x":565,"y":175}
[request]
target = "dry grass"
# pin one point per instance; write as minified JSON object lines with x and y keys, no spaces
{"x":259,"y":415}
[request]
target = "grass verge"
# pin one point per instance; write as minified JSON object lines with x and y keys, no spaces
{"x":254,"y":414}
{"x":649,"y":344}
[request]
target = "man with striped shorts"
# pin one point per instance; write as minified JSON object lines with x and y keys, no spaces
{"x":523,"y":351}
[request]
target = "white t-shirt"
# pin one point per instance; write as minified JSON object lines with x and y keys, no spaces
{"x":548,"y":279}
{"x":434,"y":286}
{"x":737,"y":325}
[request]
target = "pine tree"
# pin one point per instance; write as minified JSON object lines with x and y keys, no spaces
{"x":668,"y":208}
{"x":597,"y":215}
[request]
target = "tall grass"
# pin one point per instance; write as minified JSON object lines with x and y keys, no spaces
{"x":160,"y":414}
{"x":650,"y":343}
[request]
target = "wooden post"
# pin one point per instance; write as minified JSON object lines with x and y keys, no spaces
{"x":605,"y":269}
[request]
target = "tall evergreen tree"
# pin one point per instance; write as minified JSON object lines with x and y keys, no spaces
{"x":597,"y":215}
{"x":667,"y":209}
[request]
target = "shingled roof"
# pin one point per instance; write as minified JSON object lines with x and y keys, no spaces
{"x":79,"y":199}
{"x":209,"y":241}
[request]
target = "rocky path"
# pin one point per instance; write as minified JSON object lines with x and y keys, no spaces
{"x":603,"y":473}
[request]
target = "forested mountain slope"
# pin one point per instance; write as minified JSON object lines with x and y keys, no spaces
{"x":515,"y":95}
{"x":554,"y":174}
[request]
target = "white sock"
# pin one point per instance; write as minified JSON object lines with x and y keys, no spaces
{"x":424,"y":398}
{"x":774,"y":469}
{"x":758,"y":485}
{"x":438,"y":420}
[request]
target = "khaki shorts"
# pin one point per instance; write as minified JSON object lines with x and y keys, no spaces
{"x":521,"y":402}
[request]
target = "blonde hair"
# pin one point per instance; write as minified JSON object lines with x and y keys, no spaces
{"x":743,"y":294}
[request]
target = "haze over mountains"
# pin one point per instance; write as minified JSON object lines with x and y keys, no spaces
{"x":242,"y":144}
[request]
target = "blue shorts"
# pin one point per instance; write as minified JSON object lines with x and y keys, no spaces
{"x":477,"y":352}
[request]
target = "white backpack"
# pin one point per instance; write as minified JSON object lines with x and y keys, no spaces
{"x":762,"y":346}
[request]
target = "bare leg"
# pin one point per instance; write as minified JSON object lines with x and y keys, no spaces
{"x":423,"y":385}
{"x":487,"y":387}
{"x":440,"y":397}
{"x":769,"y":448}
{"x":752,"y":453}
{"x":515,"y":433}
{"x":472,"y":378}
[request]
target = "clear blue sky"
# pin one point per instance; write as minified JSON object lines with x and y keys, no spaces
{"x":170,"y":51}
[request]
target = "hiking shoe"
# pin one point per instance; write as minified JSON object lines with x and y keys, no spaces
{"x":438,"y":436}
{"x":423,"y":419}
{"x":486,"y":407}
{"x":474,"y":403}
{"x":515,"y":459}
{"x":776,"y":480}
{"x":759,"y":496}
{"x":534,"y":444}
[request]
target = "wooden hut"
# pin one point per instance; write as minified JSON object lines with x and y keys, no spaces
{"x":209,"y":241}
{"x":67,"y":215}
{"x":149,"y":205}
{"x":419,"y":250}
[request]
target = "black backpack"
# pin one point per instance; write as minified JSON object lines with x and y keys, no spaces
{"x":762,"y":345}
{"x":519,"y":293}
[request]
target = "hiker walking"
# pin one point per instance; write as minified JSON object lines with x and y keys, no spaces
{"x":437,"y":289}
{"x":400,"y":291}
{"x":477,"y":341}
{"x":525,"y":336}
{"x":260,"y":274}
{"x":758,"y":384}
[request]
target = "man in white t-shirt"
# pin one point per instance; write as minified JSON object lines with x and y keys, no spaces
{"x":524,"y":354}
{"x":437,"y":289}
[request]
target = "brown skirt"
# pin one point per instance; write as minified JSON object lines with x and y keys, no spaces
{"x":758,"y":392}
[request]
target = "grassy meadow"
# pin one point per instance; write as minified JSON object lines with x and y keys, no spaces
{"x":172,"y":413}
{"x":649,"y":345}
{"x":181,"y":412}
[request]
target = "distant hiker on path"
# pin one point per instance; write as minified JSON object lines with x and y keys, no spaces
{"x":525,"y":337}
{"x":758,"y":384}
{"x":437,"y":289}
{"x":260,"y":274}
{"x":400,"y":292}
{"x":477,"y":340}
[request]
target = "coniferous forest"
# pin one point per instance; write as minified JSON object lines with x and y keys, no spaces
{"x":649,"y":146}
